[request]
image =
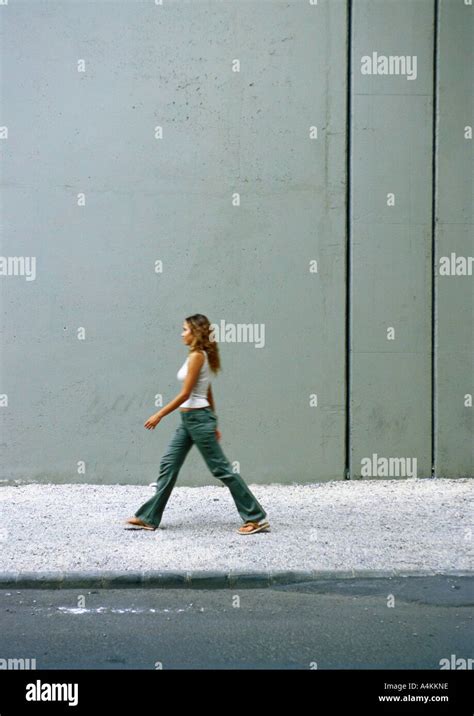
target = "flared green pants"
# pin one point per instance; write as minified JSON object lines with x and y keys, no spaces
{"x":198,"y":426}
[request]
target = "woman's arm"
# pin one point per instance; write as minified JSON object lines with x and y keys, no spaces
{"x":210,"y":398}
{"x":195,"y":362}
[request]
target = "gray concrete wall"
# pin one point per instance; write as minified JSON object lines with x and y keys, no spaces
{"x":227,"y":212}
{"x":454,"y":315}
{"x":391,"y":214}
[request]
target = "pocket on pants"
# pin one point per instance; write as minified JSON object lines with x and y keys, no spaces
{"x":204,"y":425}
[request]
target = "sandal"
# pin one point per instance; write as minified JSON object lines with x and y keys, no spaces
{"x":255,"y":527}
{"x":137,"y":524}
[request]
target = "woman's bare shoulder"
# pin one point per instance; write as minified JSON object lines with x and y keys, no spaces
{"x":196,"y":357}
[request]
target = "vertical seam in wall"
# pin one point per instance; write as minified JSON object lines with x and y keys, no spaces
{"x":347,"y":470}
{"x":434,"y":206}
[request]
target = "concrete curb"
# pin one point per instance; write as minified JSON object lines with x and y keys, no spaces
{"x":200,"y":579}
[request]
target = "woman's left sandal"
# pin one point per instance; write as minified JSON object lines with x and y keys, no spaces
{"x":136,"y":524}
{"x":256,"y":527}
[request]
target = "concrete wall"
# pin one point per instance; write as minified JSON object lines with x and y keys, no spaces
{"x":391,"y":210}
{"x":150,"y":180}
{"x":454,"y":234}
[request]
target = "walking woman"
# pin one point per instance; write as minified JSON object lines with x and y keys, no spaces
{"x":198,"y":425}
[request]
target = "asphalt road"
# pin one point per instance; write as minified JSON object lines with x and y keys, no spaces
{"x":404,"y":623}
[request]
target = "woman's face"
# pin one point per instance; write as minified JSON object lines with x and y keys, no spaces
{"x":186,"y":335}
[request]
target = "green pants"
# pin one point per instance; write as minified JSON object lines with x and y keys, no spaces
{"x":198,"y":426}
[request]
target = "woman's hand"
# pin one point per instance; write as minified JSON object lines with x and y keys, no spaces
{"x":218,"y":434}
{"x":152,"y":422}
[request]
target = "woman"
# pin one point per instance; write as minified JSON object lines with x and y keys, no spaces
{"x":198,"y":425}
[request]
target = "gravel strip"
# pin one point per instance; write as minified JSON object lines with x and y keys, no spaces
{"x":342,"y":525}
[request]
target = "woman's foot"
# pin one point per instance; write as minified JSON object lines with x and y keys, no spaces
{"x":248,"y":528}
{"x":139,"y":524}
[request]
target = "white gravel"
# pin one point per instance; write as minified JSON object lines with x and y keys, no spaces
{"x":402,"y":524}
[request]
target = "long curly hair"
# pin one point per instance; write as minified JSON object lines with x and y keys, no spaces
{"x":202,"y":340}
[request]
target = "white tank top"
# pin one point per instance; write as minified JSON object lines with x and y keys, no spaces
{"x":198,"y":397}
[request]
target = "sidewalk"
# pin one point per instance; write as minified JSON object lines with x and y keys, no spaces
{"x":74,"y":536}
